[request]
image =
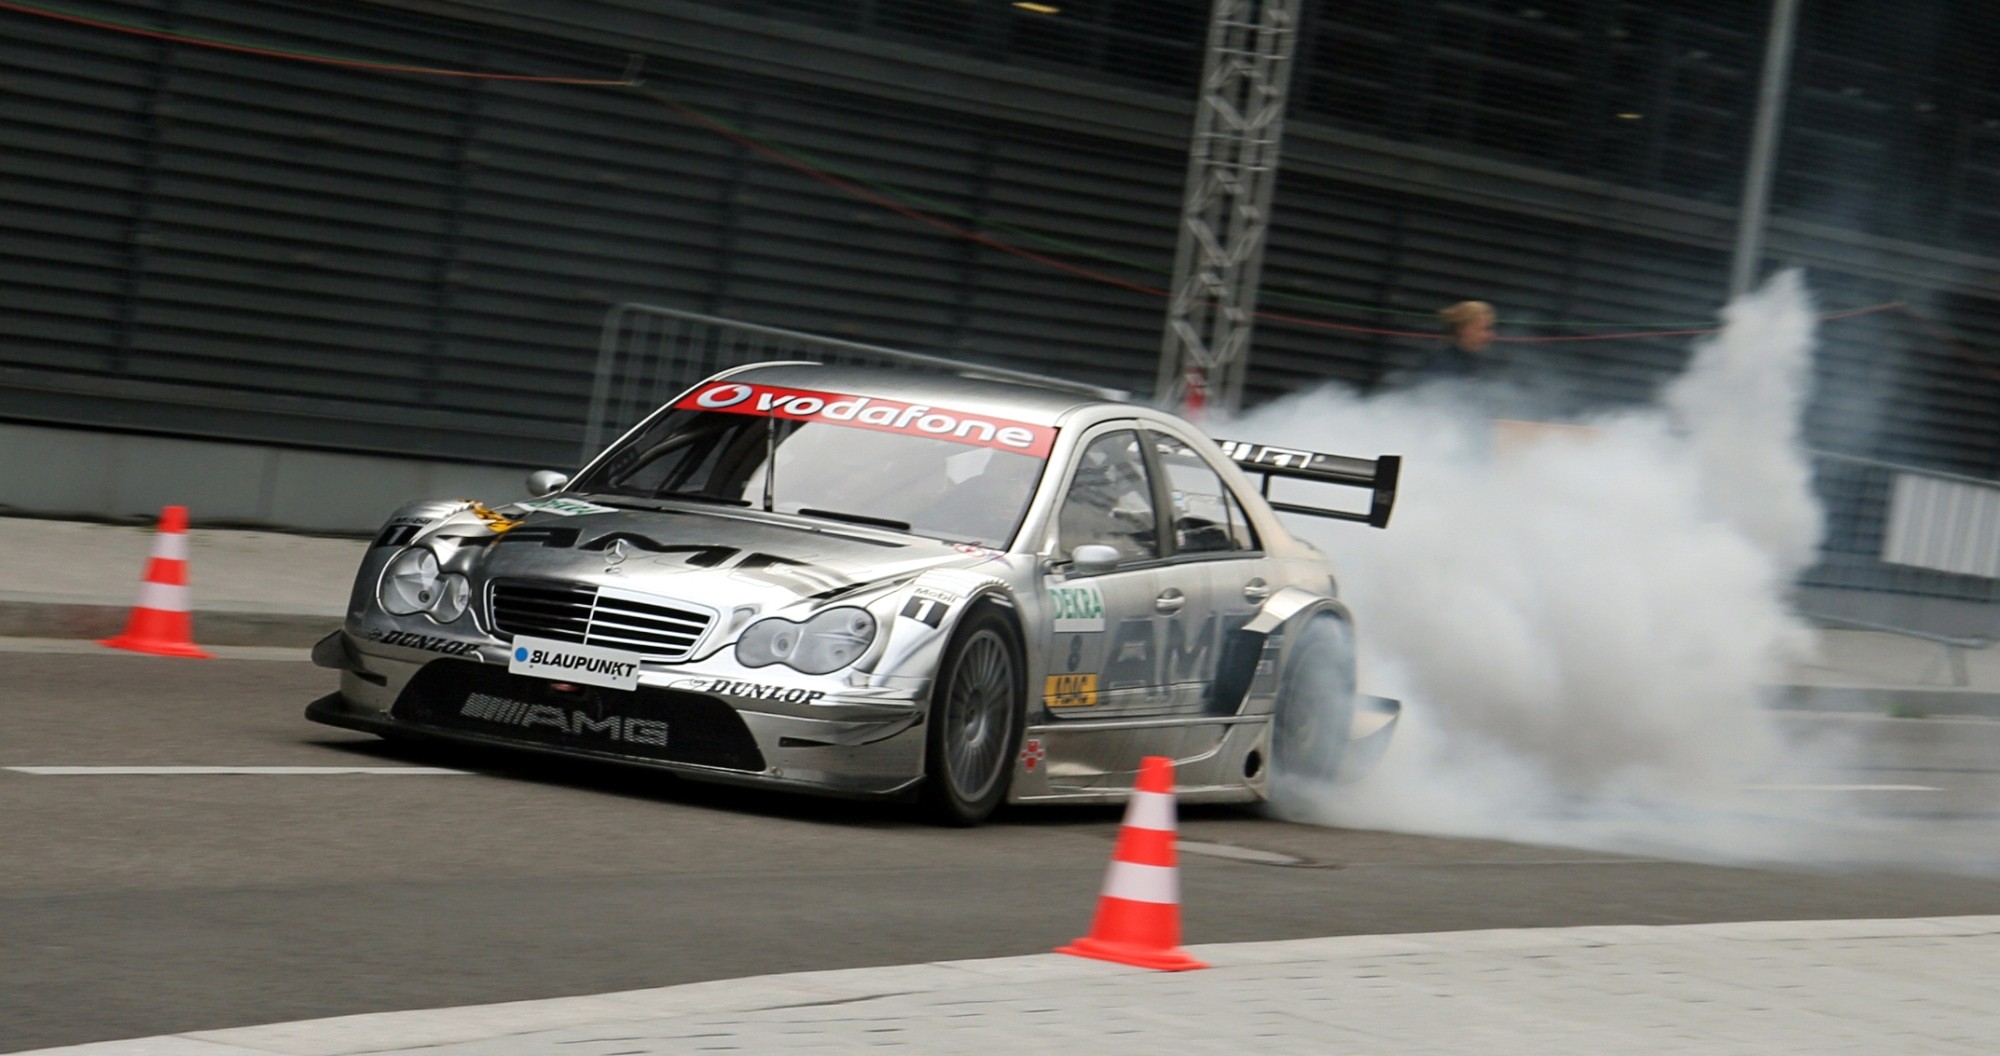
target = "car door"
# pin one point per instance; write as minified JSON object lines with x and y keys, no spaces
{"x":1100,"y":636}
{"x":1212,"y":555}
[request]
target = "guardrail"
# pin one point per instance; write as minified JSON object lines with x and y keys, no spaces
{"x":1911,"y":551}
{"x":1906,"y":530}
{"x":647,"y":354}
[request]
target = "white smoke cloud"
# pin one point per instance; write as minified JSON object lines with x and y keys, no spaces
{"x":1579,"y":619}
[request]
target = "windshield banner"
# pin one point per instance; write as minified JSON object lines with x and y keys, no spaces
{"x":869,"y":412}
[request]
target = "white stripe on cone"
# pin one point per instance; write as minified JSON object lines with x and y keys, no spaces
{"x":1143,"y":883}
{"x":166,"y":597}
{"x":1150,"y":810}
{"x":172,"y":546}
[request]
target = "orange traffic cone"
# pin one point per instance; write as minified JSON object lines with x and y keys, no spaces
{"x":1139,"y":914}
{"x":161,"y":622}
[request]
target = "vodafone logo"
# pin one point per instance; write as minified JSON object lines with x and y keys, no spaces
{"x":869,"y":412}
{"x":718,"y":397}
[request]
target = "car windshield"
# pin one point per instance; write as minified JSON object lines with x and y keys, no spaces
{"x":939,"y":474}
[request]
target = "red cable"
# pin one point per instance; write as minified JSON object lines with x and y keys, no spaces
{"x":1945,"y":337}
{"x":930,"y":221}
{"x":897,"y":207}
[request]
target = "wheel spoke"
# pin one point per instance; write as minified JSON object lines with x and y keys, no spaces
{"x":977,"y":713}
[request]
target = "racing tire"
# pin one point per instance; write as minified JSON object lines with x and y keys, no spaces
{"x":975,"y":721}
{"x":1314,"y":712}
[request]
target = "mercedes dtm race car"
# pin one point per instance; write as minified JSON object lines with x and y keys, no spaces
{"x":876,"y":583}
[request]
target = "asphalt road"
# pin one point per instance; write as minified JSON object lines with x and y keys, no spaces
{"x":142,"y":904}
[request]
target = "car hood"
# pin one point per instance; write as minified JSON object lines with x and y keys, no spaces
{"x":721,"y":559}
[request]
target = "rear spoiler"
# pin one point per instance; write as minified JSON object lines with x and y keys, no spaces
{"x":1378,"y":474}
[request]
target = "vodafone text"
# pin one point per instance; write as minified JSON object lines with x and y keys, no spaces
{"x":868,"y":412}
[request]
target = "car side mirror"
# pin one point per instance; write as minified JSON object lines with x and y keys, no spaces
{"x":546,"y":482}
{"x":1092,"y":559}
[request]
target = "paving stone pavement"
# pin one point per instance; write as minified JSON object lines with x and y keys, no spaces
{"x":1915,"y":986}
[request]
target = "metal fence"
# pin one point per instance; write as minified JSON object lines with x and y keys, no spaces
{"x":1907,"y":550}
{"x":1905,"y":530}
{"x":647,"y":354}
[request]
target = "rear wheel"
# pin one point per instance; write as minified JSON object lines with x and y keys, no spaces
{"x":1315,"y":706}
{"x":975,"y":721}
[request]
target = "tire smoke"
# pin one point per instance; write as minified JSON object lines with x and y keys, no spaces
{"x":1580,"y":618}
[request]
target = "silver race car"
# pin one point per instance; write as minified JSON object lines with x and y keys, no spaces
{"x":875,"y":583}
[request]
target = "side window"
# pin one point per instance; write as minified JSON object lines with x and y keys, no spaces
{"x":1239,"y":524}
{"x":1110,"y":500}
{"x":1206,"y":517}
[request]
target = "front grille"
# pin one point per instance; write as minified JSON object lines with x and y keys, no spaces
{"x":646,"y":723}
{"x":656,"y":629}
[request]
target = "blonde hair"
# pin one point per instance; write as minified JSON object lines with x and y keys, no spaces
{"x":1464,"y":313}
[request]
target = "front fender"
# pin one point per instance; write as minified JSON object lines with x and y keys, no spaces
{"x":927,"y":611}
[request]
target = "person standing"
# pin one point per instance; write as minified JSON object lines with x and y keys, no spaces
{"x":1468,"y":329}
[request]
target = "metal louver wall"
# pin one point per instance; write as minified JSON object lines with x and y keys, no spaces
{"x":225,"y":245}
{"x":232,"y":245}
{"x":217,"y":243}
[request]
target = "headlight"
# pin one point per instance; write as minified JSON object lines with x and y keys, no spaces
{"x":827,"y":642}
{"x":453,"y":593}
{"x":413,"y":583}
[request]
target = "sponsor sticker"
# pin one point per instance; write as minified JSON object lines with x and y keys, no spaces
{"x":1070,"y":691}
{"x":759,"y":691}
{"x":1264,"y":454}
{"x":526,"y":716}
{"x":1079,"y":607}
{"x":568,"y":662}
{"x":1032,"y":754}
{"x":495,"y":521}
{"x":927,"y":611}
{"x":395,"y":534}
{"x":565,"y":507}
{"x":871,"y":412}
{"x":427,"y":642}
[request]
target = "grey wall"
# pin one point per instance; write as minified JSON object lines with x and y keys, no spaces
{"x":122,"y":476}
{"x":207,"y":245}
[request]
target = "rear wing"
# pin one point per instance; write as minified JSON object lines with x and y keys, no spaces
{"x":1378,"y":474}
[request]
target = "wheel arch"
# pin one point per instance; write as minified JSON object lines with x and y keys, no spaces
{"x":982,"y":611}
{"x":992,"y":596}
{"x":1249,"y":649}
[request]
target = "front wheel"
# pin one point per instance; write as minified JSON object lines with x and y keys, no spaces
{"x":1315,"y":706}
{"x":975,"y":721}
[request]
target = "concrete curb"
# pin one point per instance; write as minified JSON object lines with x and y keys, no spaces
{"x":520,"y":1021}
{"x":1897,"y":701}
{"x":20,"y":618}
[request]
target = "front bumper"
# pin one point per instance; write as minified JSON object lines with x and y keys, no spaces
{"x":831,"y":744}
